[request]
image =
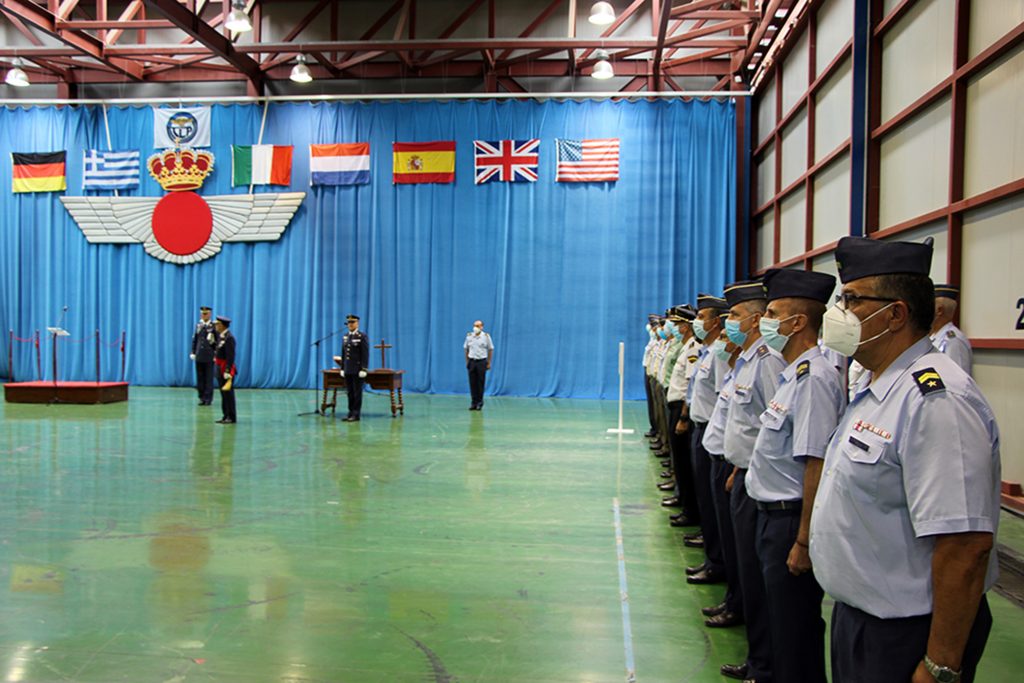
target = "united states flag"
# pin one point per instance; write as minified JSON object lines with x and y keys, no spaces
{"x":513,"y":161}
{"x":111,"y":170}
{"x":587,"y":161}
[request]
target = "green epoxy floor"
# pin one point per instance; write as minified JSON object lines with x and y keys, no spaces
{"x":141,"y":542}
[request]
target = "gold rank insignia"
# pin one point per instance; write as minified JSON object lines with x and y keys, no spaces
{"x":950,"y":333}
{"x":762,"y":351}
{"x":803,"y":369}
{"x":928,"y":380}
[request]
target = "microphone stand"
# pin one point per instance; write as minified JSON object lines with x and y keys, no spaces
{"x":316,"y":384}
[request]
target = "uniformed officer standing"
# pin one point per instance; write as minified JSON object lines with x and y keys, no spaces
{"x":683,"y":488}
{"x":701,"y":394}
{"x":354,"y":360}
{"x":224,"y":358}
{"x":668,"y":363}
{"x":660,"y":441}
{"x":756,"y":378}
{"x":479,"y":354}
{"x":648,"y":351}
{"x":784,"y":471}
{"x":908,"y":504}
{"x":947,"y":337}
{"x":730,"y":611}
{"x":203,"y":339}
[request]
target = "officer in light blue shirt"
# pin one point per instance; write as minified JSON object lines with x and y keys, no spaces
{"x":479,"y":353}
{"x":907,"y":509}
{"x":756,"y":378}
{"x":947,"y":337}
{"x":784,"y":471}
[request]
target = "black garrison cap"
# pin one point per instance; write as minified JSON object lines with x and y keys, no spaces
{"x":948,"y":291}
{"x":709,"y":301}
{"x":783,"y":283}
{"x":859,"y":257}
{"x":744,"y":290}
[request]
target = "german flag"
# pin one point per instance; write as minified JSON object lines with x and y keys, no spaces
{"x":39,"y":172}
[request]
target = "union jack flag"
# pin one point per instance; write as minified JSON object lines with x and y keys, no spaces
{"x":513,"y":161}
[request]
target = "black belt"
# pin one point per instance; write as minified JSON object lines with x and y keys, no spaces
{"x":782,"y":505}
{"x":715,"y":456}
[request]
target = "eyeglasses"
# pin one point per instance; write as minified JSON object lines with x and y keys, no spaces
{"x":846,"y":299}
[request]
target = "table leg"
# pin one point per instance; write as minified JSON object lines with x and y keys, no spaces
{"x":401,"y":403}
{"x":392,"y":392}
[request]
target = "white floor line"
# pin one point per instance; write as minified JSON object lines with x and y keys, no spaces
{"x":627,"y":628}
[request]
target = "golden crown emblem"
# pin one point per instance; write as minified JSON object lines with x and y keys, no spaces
{"x":180,"y":170}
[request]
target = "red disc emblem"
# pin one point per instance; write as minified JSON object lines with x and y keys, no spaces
{"x":182,"y":223}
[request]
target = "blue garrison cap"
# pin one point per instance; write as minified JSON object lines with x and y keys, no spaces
{"x":859,"y":257}
{"x":744,"y":290}
{"x":948,"y":291}
{"x":783,"y":283}
{"x":684,"y":312}
{"x":710,"y":301}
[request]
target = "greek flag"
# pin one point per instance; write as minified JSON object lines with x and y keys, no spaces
{"x":110,"y":170}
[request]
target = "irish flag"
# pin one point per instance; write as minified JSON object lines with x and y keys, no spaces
{"x":261,"y":165}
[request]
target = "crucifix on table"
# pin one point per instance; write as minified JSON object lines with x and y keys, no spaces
{"x":383,"y":346}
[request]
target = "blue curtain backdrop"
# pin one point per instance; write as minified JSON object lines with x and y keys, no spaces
{"x":559,"y":272}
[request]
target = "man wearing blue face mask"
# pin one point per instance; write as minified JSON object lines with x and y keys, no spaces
{"x":652,"y":341}
{"x":756,"y":378}
{"x":785,"y":468}
{"x":908,"y":504}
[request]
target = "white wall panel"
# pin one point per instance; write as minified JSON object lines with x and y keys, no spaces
{"x":826,"y":263}
{"x":940,"y":248}
{"x":793,"y":226}
{"x":794,"y":149}
{"x":990,"y":21}
{"x":765,"y":110}
{"x":917,"y":54}
{"x":766,"y":178}
{"x":794,"y":73}
{"x":915,"y":166}
{"x":764,"y":238}
{"x":992,"y":280}
{"x":832,"y":118}
{"x":994,"y":149}
{"x":832,"y":202}
{"x":1000,"y":374}
{"x":834,"y":29}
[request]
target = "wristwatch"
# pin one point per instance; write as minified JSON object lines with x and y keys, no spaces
{"x":942,"y":674}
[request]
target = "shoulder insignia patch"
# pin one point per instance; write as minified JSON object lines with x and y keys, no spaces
{"x":928,"y":381}
{"x":950,"y":333}
{"x":692,"y":359}
{"x":803,"y":369}
{"x":762,"y":351}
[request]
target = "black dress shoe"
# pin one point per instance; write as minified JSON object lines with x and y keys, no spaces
{"x":666,"y":474}
{"x":696,"y":569}
{"x":667,"y":486}
{"x":665,"y":463}
{"x":671,"y":502}
{"x":737,"y":671}
{"x":650,"y":434}
{"x":663,"y":454}
{"x":694,"y":541}
{"x":656,"y":446}
{"x":225,"y":421}
{"x":707,"y":577}
{"x":724,"y":620}
{"x":682,"y":520}
{"x":714,"y":610}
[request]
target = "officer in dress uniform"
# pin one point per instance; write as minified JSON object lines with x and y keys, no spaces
{"x":224,"y":358}
{"x":203,"y":339}
{"x":354,"y":360}
{"x":652,"y":334}
{"x":784,"y":471}
{"x":908,"y":504}
{"x":756,"y":377}
{"x":947,"y":337}
{"x":675,"y":345}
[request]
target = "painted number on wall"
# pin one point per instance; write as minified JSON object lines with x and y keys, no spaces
{"x":1020,"y":318}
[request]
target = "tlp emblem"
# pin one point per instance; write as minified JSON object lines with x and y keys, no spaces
{"x":182,"y":128}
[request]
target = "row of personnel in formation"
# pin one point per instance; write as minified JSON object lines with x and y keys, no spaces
{"x":885,"y":495}
{"x":213,"y":345}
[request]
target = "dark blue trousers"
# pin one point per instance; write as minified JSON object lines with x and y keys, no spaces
{"x":700,"y":466}
{"x":204,"y":380}
{"x":866,"y":649}
{"x":755,"y":606}
{"x":719,"y":473}
{"x":794,"y":602}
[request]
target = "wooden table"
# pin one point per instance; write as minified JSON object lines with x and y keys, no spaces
{"x":381,"y":378}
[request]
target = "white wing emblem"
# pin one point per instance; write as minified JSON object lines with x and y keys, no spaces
{"x":183,"y":235}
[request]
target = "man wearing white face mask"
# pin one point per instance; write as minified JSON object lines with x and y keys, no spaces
{"x":908,"y":504}
{"x":784,"y":472}
{"x":756,"y":378}
{"x":479,"y":352}
{"x":652,"y":335}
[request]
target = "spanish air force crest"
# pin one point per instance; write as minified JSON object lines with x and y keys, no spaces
{"x":182,"y":227}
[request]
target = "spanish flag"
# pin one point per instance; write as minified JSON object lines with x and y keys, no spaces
{"x":39,"y":172}
{"x":424,"y":162}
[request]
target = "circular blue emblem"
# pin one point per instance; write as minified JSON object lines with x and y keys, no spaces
{"x":182,"y":127}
